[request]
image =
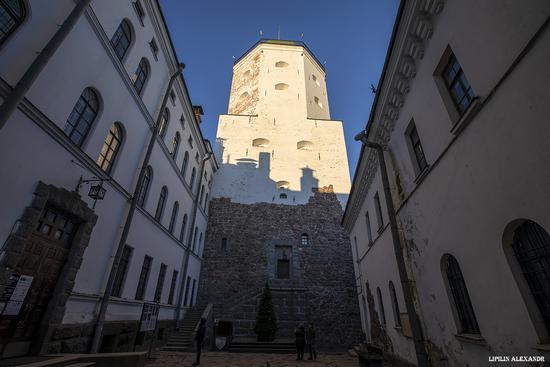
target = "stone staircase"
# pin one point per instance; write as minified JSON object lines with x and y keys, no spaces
{"x":182,"y":340}
{"x":249,"y":345}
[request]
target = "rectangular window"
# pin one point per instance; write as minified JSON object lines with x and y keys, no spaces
{"x":369,"y":231}
{"x":190,"y":141}
{"x":143,"y":277}
{"x":182,"y":120}
{"x":121,"y":271}
{"x":460,"y":90}
{"x":378,"y":209}
{"x":224,"y":244}
{"x":283,"y":269}
{"x":173,"y":97}
{"x":154,"y":48}
{"x":173,"y":287}
{"x":160,"y":283}
{"x":139,"y":11}
{"x":418,"y":151}
{"x":187,"y":284}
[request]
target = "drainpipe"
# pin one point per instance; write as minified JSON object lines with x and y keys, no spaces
{"x":129,"y":217}
{"x":21,"y":88}
{"x":406,"y":283}
{"x":185,"y":264}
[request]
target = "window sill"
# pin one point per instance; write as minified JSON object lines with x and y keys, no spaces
{"x":420,"y":177}
{"x":467,"y":116}
{"x":471,"y":338}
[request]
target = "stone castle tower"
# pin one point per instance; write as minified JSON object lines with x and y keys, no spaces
{"x":277,"y":143}
{"x":276,"y":208}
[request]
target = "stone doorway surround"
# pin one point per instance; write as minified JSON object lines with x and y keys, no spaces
{"x":71,"y":204}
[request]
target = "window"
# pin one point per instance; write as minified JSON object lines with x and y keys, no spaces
{"x":281,"y":64}
{"x":57,"y":227}
{"x":420,"y":158}
{"x":192,"y":181}
{"x":161,"y":203}
{"x":531,"y":245}
{"x":140,"y":76}
{"x":190,"y":141}
{"x":187,"y":284}
{"x":121,"y":271}
{"x":182,"y":120}
{"x":283,"y":269}
{"x":305,"y":239}
{"x":224,"y":244}
{"x":82,"y":116}
{"x":160,"y":283}
{"x":282,"y":196}
{"x":201,"y":195}
{"x":154,"y":49}
{"x":395,"y":305}
{"x":182,"y":230}
{"x":467,"y":322}
{"x":192,"y":300}
{"x":244,"y":95}
{"x":457,"y":85}
{"x":165,"y":119}
{"x":304,"y":145}
{"x":281,"y":86}
{"x":315,"y":80}
{"x":381,"y":307}
{"x":283,"y":185}
{"x":175,"y":145}
{"x":197,"y":157}
{"x":145,"y":186}
{"x":318,"y":102}
{"x":139,"y":11}
{"x":206,"y":202}
{"x":174,"y":216}
{"x":110,"y":148}
{"x":369,"y":232}
{"x":143,"y":277}
{"x":260,"y":142}
{"x":173,"y":287}
{"x":173,"y":97}
{"x":200,"y":244}
{"x":122,"y":39}
{"x":12,"y":14}
{"x":184,"y":164}
{"x":378,"y":209}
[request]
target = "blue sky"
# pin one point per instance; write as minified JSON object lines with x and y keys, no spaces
{"x":350,"y":35}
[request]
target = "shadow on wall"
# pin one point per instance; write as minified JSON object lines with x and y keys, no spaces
{"x":249,"y":180}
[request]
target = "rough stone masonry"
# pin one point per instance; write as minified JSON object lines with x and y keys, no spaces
{"x":249,"y":244}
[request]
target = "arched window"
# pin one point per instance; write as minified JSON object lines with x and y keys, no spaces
{"x":122,"y":39}
{"x":174,"y":216}
{"x":82,"y":116}
{"x":531,"y":245}
{"x":145,"y":186}
{"x":318,"y":102}
{"x":462,"y":305}
{"x":260,"y":142}
{"x":110,"y":148}
{"x":183,"y":227}
{"x":140,"y":76}
{"x":305,"y":239}
{"x":164,"y":122}
{"x":381,"y":307}
{"x":304,"y":145}
{"x":12,"y":14}
{"x":161,"y":203}
{"x":281,"y":64}
{"x":175,"y":145}
{"x":282,"y":196}
{"x":184,"y":164}
{"x":395,"y":306}
{"x":192,"y":181}
{"x":201,"y":196}
{"x":281,"y":86}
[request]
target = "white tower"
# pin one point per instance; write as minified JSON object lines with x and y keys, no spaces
{"x":277,"y":143}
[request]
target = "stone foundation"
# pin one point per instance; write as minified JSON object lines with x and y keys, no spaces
{"x":321,"y":286}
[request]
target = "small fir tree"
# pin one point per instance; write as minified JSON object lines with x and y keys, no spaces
{"x":266,"y":322}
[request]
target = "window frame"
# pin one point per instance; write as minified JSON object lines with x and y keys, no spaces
{"x":173,"y":284}
{"x":160,"y":283}
{"x":382,"y":312}
{"x":141,"y":75}
{"x":107,"y":147}
{"x":183,"y":228}
{"x":145,"y":186}
{"x":73,"y":124}
{"x":163,"y":197}
{"x":378,"y":210}
{"x":395,"y":305}
{"x":173,"y":217}
{"x":122,"y":271}
{"x":18,"y":20}
{"x":125,"y":30}
{"x":143,"y":278}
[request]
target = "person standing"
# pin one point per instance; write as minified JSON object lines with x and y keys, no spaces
{"x":310,"y":340}
{"x":299,"y":332}
{"x":199,"y":338}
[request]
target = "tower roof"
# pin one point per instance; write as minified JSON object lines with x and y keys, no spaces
{"x":281,"y":42}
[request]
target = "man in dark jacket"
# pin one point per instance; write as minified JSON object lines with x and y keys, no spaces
{"x":199,"y":338}
{"x":299,"y":332}
{"x":310,"y":340}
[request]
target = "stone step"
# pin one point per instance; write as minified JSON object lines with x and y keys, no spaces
{"x":177,"y":349}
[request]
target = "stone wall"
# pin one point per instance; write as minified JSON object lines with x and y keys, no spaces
{"x":321,"y":287}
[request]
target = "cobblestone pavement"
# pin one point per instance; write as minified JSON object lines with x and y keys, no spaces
{"x":220,"y":359}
